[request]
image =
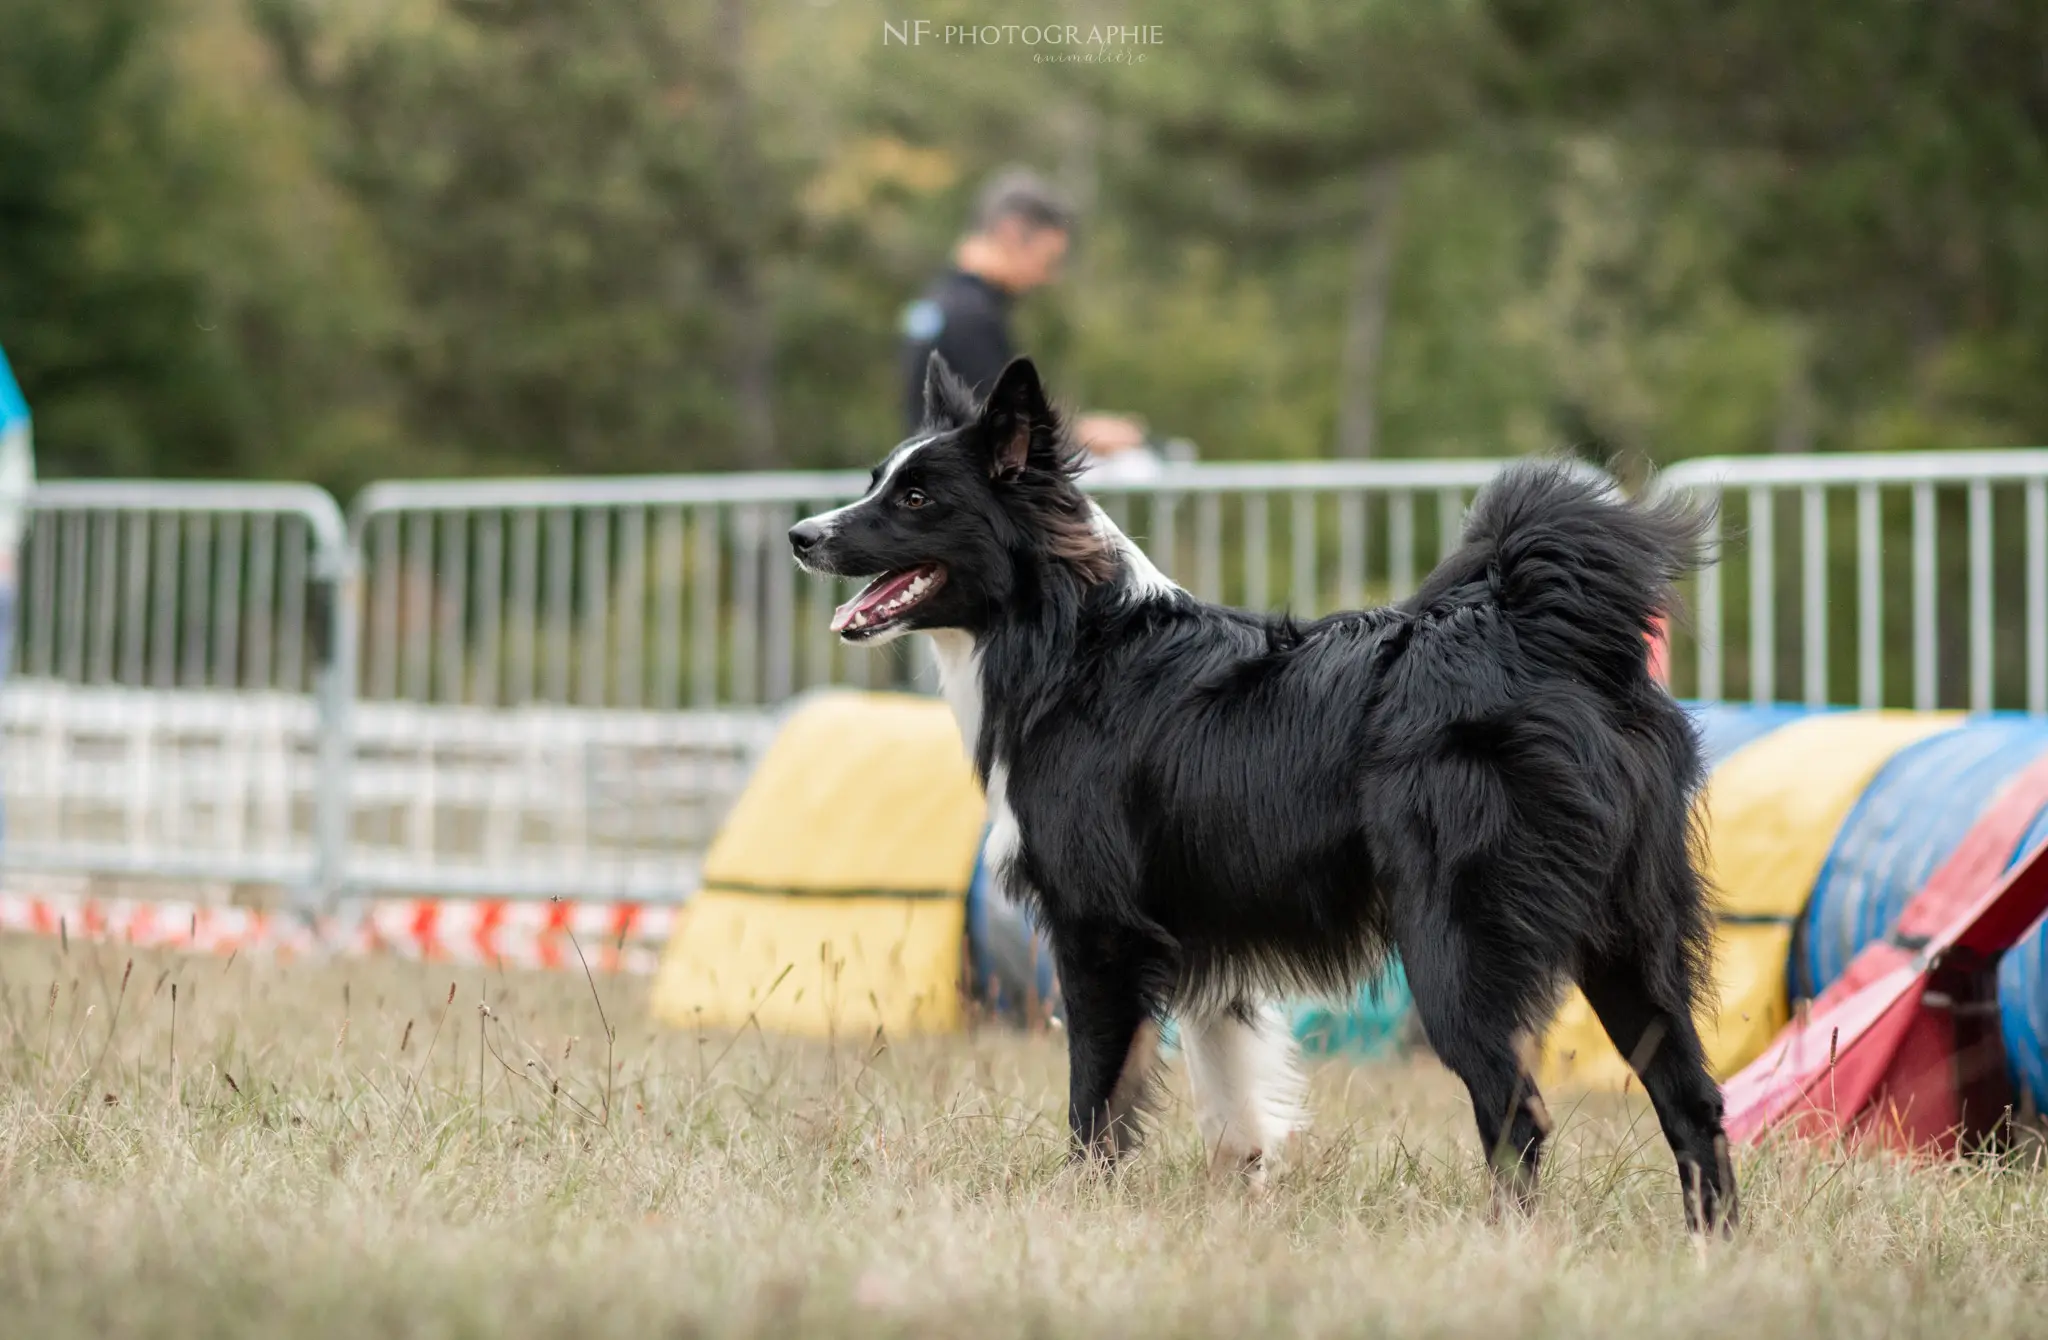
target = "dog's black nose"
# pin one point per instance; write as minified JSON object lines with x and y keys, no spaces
{"x":804,"y":534}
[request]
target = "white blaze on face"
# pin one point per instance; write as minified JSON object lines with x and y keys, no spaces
{"x":898,"y":458}
{"x":891,"y":463}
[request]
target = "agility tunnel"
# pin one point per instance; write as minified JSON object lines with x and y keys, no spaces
{"x":1822,"y":827}
{"x":834,"y":898}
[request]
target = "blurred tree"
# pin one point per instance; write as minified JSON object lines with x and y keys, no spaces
{"x":343,"y":241}
{"x":98,"y":309}
{"x":1473,"y":282}
{"x":1886,"y":172}
{"x":159,"y":319}
{"x":579,"y":217}
{"x":1305,"y":144}
{"x":1646,"y":349}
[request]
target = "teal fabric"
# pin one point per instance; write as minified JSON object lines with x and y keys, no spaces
{"x":1369,"y":1025}
{"x":13,"y":409}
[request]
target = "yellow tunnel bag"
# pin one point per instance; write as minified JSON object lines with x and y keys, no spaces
{"x":834,"y":898}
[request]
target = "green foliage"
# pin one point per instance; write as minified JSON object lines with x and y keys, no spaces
{"x":178,"y":291}
{"x":292,"y":238}
{"x":1887,"y":182}
{"x":106,"y":312}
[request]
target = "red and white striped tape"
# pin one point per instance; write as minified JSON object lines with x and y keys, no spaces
{"x":613,"y":937}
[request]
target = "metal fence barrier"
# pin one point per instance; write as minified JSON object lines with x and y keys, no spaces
{"x":177,"y":708}
{"x":603,"y":804}
{"x":678,"y":591}
{"x":1816,"y":598}
{"x":528,"y":688}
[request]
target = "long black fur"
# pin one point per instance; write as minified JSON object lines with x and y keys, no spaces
{"x":1214,"y":804}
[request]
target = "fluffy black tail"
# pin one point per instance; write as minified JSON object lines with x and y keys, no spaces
{"x":1584,"y":572}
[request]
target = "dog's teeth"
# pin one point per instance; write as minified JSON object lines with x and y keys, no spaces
{"x":903,"y":599}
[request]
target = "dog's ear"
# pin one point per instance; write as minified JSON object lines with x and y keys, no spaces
{"x":1015,"y":411}
{"x":948,"y":403}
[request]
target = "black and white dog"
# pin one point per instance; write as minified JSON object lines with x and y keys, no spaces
{"x":1207,"y":807}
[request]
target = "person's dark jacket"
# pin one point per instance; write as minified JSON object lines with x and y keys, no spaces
{"x":965,"y":318}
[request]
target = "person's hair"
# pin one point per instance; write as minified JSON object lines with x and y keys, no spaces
{"x":1021,"y":194}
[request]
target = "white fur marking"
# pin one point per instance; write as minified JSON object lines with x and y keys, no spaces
{"x":1248,"y":1093}
{"x":1005,"y":839}
{"x":897,"y":459}
{"x":1145,"y":578}
{"x":891,"y":463}
{"x":959,"y":661}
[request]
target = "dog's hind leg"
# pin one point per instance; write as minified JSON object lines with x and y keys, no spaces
{"x":1474,"y":1014}
{"x":1247,"y":1088}
{"x":1663,"y":1047}
{"x":1111,"y":979}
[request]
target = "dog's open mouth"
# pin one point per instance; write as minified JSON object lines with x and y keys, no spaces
{"x":885,"y":600}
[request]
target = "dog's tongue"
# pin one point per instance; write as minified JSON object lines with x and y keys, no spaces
{"x":874,"y":593}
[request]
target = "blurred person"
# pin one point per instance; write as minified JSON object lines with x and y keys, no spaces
{"x":17,"y":477}
{"x":1119,"y":448}
{"x":1020,"y":232}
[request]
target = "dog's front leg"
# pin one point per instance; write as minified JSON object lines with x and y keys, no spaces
{"x":1112,"y":1038}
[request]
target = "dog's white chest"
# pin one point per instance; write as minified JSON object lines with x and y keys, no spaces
{"x":959,"y":663}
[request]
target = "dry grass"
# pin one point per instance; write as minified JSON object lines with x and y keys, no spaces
{"x":334,"y":1151}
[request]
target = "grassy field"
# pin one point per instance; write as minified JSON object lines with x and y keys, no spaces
{"x":347,"y":1150}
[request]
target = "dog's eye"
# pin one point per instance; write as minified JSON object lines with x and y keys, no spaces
{"x":914,"y":498}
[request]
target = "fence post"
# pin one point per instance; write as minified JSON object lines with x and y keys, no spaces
{"x":336,"y":564}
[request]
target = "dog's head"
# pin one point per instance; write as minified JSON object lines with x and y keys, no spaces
{"x":956,"y":517}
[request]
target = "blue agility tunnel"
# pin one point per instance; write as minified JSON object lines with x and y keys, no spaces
{"x":1912,"y":818}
